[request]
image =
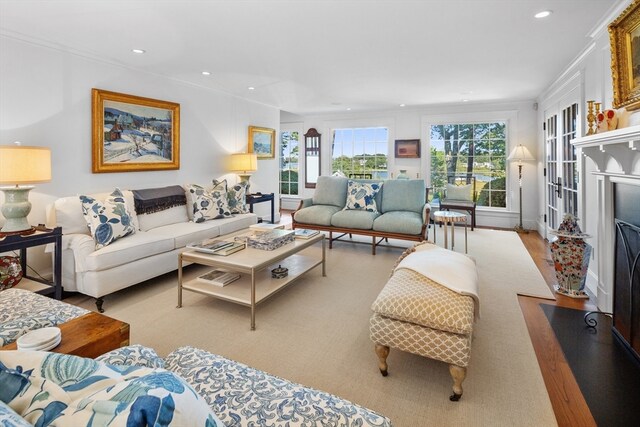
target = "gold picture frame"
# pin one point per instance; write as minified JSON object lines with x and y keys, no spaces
{"x":262,"y":141}
{"x":624,"y":36}
{"x":132,"y":133}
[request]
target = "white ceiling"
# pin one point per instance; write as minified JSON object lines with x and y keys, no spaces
{"x":305,"y":56}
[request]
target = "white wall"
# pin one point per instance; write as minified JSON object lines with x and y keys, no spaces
{"x":45,"y":99}
{"x":408,"y":123}
{"x":590,"y":73}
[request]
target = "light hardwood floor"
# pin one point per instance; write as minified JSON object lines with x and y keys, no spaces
{"x":568,"y":403}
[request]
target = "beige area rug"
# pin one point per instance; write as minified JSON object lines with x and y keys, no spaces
{"x":315,"y":332}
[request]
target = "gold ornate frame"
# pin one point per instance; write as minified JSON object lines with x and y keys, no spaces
{"x":626,"y":81}
{"x":262,"y":141}
{"x":163,"y":133}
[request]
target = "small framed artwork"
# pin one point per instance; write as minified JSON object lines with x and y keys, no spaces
{"x":624,"y":33}
{"x":262,"y":141}
{"x":132,"y":133}
{"x":408,"y":148}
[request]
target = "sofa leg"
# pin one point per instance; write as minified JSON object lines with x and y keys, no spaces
{"x":458,"y":373}
{"x":373,"y":245}
{"x":330,"y":239}
{"x":382,"y":351}
{"x":99,"y":302}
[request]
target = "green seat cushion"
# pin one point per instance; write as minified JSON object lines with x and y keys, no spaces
{"x":404,"y":222}
{"x":403,"y":195}
{"x":331,"y":190}
{"x":360,"y":219}
{"x":317,"y":214}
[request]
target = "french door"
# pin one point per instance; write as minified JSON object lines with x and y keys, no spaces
{"x":561,"y":173}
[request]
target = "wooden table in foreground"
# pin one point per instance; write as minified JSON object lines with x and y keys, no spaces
{"x":89,"y":336}
{"x":256,"y":283}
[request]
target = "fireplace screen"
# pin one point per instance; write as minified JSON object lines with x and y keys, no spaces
{"x":626,"y":309}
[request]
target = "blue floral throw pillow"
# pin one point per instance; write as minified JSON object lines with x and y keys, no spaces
{"x":237,"y":197}
{"x":209,"y":203}
{"x":64,"y":390}
{"x":362,"y":196}
{"x":108,"y":220}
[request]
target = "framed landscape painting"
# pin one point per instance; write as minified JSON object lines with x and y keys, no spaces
{"x":132,"y":133}
{"x":262,"y":141}
{"x":408,"y":148}
{"x":624,"y":35}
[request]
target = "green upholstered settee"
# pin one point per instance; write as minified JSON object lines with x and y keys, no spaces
{"x":400,"y":210}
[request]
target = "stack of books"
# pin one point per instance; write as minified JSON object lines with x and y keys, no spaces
{"x":219,"y":277}
{"x":302,"y":233}
{"x":217,"y":247}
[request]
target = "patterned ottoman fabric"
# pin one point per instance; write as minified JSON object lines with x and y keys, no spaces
{"x":23,"y":311}
{"x":132,"y":355}
{"x":240,"y":395}
{"x":414,"y":298}
{"x":432,"y":343}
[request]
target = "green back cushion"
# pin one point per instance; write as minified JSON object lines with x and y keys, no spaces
{"x":330,"y":190}
{"x":403,"y":195}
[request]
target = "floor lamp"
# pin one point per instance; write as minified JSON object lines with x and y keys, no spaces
{"x":520,"y":154}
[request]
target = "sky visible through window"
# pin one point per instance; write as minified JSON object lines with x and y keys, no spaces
{"x":361,"y":151}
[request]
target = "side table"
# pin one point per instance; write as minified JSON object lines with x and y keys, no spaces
{"x":448,"y":217}
{"x":42,"y":236}
{"x":259,"y":198}
{"x":89,"y":336}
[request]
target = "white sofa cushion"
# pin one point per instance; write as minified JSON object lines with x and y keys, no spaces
{"x":176,"y":214}
{"x":140,"y":245}
{"x":188,"y":232}
{"x":238,"y":222}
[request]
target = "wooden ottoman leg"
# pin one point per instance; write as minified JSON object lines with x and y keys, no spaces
{"x":458,"y":373}
{"x":382,"y":351}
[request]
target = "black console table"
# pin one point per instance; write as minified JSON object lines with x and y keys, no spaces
{"x":42,"y":236}
{"x":259,"y":198}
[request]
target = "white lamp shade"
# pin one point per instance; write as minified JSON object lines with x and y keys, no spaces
{"x":24,"y":164}
{"x":520,"y":154}
{"x":243,"y":162}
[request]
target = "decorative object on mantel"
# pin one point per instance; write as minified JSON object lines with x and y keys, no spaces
{"x":591,"y":118}
{"x":607,"y":120}
{"x":402,"y":174}
{"x":570,"y":255}
{"x":623,"y":33}
{"x":520,"y":154}
{"x":10,"y":272}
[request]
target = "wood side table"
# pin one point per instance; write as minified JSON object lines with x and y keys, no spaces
{"x":89,"y":336}
{"x":448,"y":217}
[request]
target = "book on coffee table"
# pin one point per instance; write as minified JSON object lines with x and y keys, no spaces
{"x":219,"y":277}
{"x":303,"y":233}
{"x":210,"y":246}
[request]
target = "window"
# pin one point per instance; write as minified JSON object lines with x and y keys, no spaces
{"x":289,"y":162}
{"x":462,"y":151}
{"x":360,"y":152}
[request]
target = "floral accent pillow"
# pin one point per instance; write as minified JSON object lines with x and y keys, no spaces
{"x":59,"y":389}
{"x":108,"y":220}
{"x":209,"y":203}
{"x":362,"y":196}
{"x":237,"y":196}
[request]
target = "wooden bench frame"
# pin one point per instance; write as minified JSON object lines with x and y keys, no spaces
{"x":383,"y":236}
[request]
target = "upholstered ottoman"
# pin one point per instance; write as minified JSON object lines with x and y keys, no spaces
{"x":414,"y":312}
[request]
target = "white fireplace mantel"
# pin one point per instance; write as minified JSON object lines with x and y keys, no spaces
{"x":616,"y":156}
{"x":616,"y":151}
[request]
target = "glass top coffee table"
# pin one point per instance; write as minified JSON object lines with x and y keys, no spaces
{"x":255,"y":265}
{"x":449,"y":217}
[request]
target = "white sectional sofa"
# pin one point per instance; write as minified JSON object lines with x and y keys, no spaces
{"x":150,"y":251}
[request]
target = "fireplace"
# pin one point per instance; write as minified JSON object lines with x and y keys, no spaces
{"x":626,"y":285}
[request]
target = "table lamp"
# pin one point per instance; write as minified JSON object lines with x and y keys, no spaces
{"x":243,"y":164}
{"x":520,"y":154}
{"x":21,"y":165}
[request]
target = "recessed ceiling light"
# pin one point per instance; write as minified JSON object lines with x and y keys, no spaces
{"x":348,"y":108}
{"x":251,"y":88}
{"x":402,"y":105}
{"x":138,"y":50}
{"x":206,"y":73}
{"x":543,"y":14}
{"x":465,"y":100}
